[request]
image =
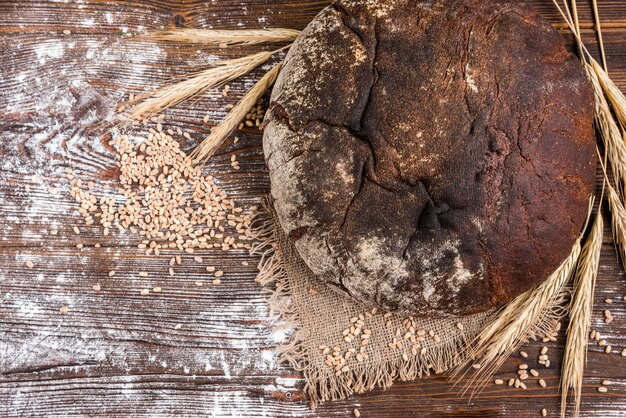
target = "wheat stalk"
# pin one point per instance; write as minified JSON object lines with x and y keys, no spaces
{"x":223,"y":37}
{"x":218,"y":134}
{"x":569,"y":20}
{"x":577,"y":26}
{"x":528,"y":315}
{"x":223,"y":72}
{"x":596,"y":17}
{"x":613,"y":93}
{"x":575,"y":356}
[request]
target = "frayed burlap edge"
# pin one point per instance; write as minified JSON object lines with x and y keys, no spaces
{"x":322,"y":385}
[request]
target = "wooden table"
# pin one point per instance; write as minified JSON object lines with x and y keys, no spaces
{"x":119,"y":353}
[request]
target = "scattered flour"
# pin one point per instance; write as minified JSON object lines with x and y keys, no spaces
{"x":47,"y":50}
{"x":56,"y":111}
{"x":469,"y":80}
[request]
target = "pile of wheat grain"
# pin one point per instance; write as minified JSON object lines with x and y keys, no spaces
{"x":164,"y":199}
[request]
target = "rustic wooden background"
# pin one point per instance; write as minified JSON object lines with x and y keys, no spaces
{"x":118,"y":353}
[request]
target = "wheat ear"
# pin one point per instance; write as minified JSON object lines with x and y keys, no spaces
{"x":618,"y":223}
{"x":219,"y":133}
{"x":224,"y":37}
{"x":581,"y":307}
{"x":223,"y":72}
{"x":528,"y":315}
{"x":609,"y":132}
{"x":612,"y":92}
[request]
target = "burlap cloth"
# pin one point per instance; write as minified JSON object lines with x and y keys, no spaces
{"x":319,"y":315}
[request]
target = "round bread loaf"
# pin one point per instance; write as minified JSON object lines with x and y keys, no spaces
{"x":431,"y":156}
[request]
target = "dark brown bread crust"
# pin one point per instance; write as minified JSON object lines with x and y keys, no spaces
{"x":431,"y":156}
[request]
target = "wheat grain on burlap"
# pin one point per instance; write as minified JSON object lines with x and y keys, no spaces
{"x":319,"y":316}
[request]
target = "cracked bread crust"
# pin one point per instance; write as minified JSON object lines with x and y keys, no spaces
{"x":431,"y":156}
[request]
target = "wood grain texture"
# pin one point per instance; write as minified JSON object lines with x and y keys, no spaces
{"x":118,"y":353}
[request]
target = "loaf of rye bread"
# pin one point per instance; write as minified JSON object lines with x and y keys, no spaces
{"x":431,"y":156}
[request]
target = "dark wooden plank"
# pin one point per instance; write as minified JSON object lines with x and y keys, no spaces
{"x":119,"y":353}
{"x":101,"y":16}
